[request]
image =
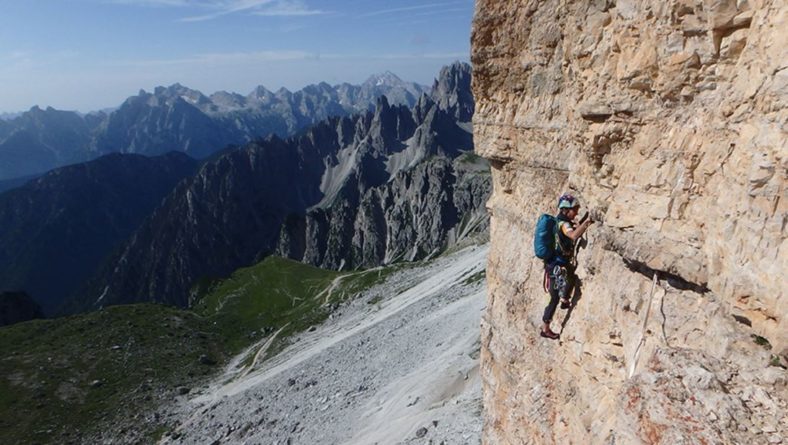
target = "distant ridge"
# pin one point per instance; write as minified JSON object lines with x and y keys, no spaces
{"x":181,"y":119}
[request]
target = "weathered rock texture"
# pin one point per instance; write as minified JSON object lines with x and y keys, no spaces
{"x":668,"y":119}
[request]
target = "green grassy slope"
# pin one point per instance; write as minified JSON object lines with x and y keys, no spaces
{"x":63,"y":376}
{"x":66,"y":379}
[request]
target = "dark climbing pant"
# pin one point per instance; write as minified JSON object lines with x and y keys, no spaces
{"x":562,"y":280}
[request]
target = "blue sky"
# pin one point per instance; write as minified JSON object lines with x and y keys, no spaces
{"x":91,"y":54}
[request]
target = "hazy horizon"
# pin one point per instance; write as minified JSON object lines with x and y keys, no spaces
{"x":209,"y":93}
{"x":89,"y":55}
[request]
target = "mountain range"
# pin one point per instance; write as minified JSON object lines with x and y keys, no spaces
{"x":358,"y":193}
{"x":395,"y":183}
{"x":177,"y":118}
{"x":388,"y":184}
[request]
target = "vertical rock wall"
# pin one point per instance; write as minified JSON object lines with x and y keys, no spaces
{"x":668,"y":119}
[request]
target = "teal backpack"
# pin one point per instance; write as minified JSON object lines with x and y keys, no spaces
{"x":545,"y":237}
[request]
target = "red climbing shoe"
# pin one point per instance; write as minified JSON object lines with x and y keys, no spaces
{"x":549,"y":334}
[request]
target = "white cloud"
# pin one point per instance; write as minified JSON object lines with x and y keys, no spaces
{"x":288,"y":8}
{"x":442,"y":11}
{"x":246,"y":58}
{"x":155,"y":2}
{"x":221,"y":5}
{"x":280,"y":8}
{"x":216,"y":59}
{"x":451,"y":55}
{"x":202,"y":18}
{"x":19,"y":55}
{"x":27,"y":61}
{"x":225,"y":7}
{"x":218,"y":8}
{"x":408,"y":8}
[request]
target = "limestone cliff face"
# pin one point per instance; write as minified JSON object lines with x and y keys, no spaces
{"x":668,"y":119}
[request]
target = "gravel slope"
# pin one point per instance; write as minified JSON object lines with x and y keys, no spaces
{"x":398,"y":364}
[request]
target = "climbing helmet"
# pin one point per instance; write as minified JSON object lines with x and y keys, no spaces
{"x":568,"y":201}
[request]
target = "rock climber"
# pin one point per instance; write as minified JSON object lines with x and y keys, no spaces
{"x":560,"y":270}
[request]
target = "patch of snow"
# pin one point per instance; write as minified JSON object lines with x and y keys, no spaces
{"x":189,"y":99}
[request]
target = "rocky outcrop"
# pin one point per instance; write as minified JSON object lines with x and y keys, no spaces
{"x":363,"y":97}
{"x":668,"y":120}
{"x":406,"y":188}
{"x":416,"y":214}
{"x":452,"y":91}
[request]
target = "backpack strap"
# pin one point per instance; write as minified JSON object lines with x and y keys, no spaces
{"x":546,"y":280}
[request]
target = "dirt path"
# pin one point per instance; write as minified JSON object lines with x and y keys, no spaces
{"x":262,"y":351}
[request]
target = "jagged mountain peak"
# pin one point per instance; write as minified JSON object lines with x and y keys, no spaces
{"x":372,"y":187}
{"x":36,"y":112}
{"x":178,"y":91}
{"x":451,"y":90}
{"x":386,"y":78}
{"x":175,"y":88}
{"x":260,"y":92}
{"x":222,"y":101}
{"x":453,"y":77}
{"x":180,"y":118}
{"x":321,"y":86}
{"x":456,"y":66}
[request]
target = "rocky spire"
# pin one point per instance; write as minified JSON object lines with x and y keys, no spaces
{"x":452,"y":91}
